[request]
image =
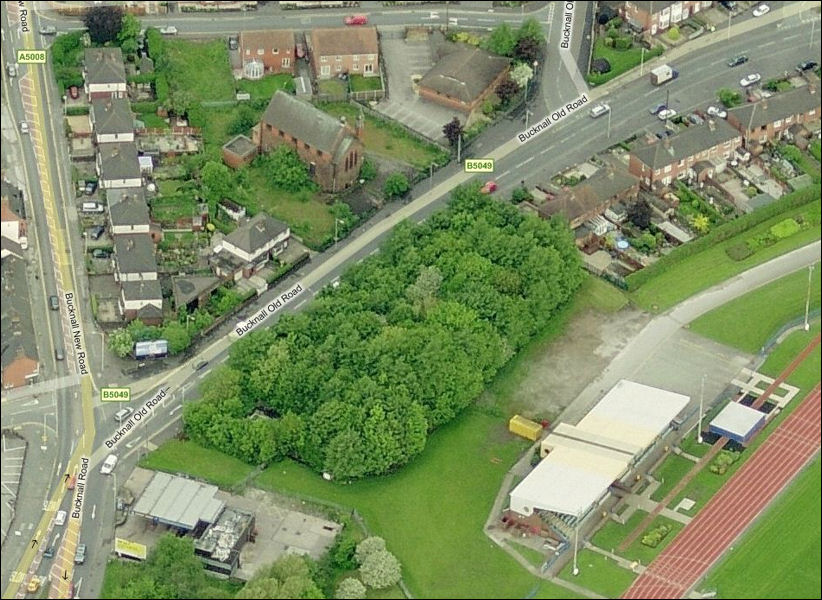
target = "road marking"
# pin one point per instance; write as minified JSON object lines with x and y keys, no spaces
{"x":500,"y":176}
{"x":525,"y":162}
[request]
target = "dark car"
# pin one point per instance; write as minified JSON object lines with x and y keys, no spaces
{"x":806,"y":65}
{"x":729,"y":5}
{"x":97,"y":231}
{"x":657,"y":108}
{"x":740,"y":59}
{"x":91,"y":186}
{"x":201,"y":365}
{"x":49,"y":552}
{"x":99,"y":253}
{"x":54,"y":303}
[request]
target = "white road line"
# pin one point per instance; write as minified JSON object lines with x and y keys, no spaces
{"x":503,"y":174}
{"x":525,"y":162}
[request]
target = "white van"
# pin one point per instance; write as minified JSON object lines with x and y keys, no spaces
{"x":92,"y":207}
{"x":108,"y":464}
{"x":122,"y":415}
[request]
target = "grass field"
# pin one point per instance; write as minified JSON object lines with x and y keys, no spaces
{"x":612,"y":533}
{"x":750,"y":320}
{"x":200,"y":68}
{"x":388,"y":139}
{"x":669,"y":473}
{"x":264,"y":88}
{"x":779,"y":557}
{"x":714,"y":265}
{"x":599,"y":574}
{"x":179,"y":456}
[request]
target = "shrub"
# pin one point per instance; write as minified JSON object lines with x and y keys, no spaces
{"x":656,"y":535}
{"x":785,"y":228}
{"x":368,"y":171}
{"x":380,"y":570}
{"x":673,"y":33}
{"x":739,"y":251}
{"x":369,"y":546}
{"x":350,"y":588}
{"x":395,"y":186}
{"x":623,"y":43}
{"x":729,"y":98}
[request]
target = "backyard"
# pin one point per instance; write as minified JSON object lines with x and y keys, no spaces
{"x":200,"y":69}
{"x":263,"y":89}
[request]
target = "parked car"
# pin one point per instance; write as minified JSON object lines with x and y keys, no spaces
{"x":80,"y":554}
{"x":739,"y":59}
{"x":99,"y":253}
{"x":60,"y":518}
{"x":11,"y":69}
{"x":74,"y":92}
{"x":656,"y":108}
{"x":24,"y":127}
{"x":599,"y":110}
{"x":729,"y":5}
{"x":489,"y":187}
{"x":716,"y":111}
{"x":33,"y":584}
{"x":762,"y":9}
{"x":665,"y":114}
{"x":71,"y":482}
{"x":90,"y":188}
{"x":168,"y":30}
{"x":108,"y":465}
{"x":54,"y":303}
{"x":806,"y":65}
{"x":96,"y":232}
{"x":233,"y":43}
{"x":750,"y":79}
{"x":48,"y":30}
{"x":356,"y":20}
{"x":695,"y":119}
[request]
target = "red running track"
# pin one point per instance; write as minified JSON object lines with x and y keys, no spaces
{"x":686,"y":560}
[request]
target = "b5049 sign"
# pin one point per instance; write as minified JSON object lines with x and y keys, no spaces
{"x":479,"y":165}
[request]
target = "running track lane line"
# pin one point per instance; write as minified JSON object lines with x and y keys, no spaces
{"x":739,"y":502}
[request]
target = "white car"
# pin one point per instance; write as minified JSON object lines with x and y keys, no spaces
{"x":24,"y":127}
{"x":666,"y":113}
{"x":60,"y":517}
{"x":762,"y":9}
{"x":599,"y":110}
{"x":716,"y":111}
{"x":108,"y":464}
{"x":750,"y":79}
{"x":168,"y":30}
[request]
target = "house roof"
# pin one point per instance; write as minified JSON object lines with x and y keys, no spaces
{"x":117,"y":195}
{"x":464,"y":73}
{"x":649,"y":7}
{"x":282,"y":39}
{"x":306,"y":122}
{"x":793,"y":102}
{"x":112,"y":115}
{"x":691,"y":141}
{"x":134,"y":253}
{"x":142,"y":290}
{"x":129,"y":211}
{"x":104,"y":65}
{"x":343,"y":41}
{"x":256,"y":233}
{"x":18,"y":348}
{"x":187,"y":288}
{"x":149,"y":312}
{"x":240,"y":145}
{"x":604,"y":185}
{"x":119,"y":160}
{"x":13,"y":198}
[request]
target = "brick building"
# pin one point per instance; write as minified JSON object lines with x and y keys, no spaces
{"x":330,"y":148}
{"x":353,"y":50}
{"x":657,"y":16}
{"x":104,"y":73}
{"x":267,"y":52}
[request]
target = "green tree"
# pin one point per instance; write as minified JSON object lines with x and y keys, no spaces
{"x":522,"y":74}
{"x":395,"y":186}
{"x":285,"y":170}
{"x":452,"y":131}
{"x":501,"y":41}
{"x":103,"y":23}
{"x":520,"y":194}
{"x":702,"y":224}
{"x":506,"y":89}
{"x":530,"y":30}
{"x":367,"y":547}
{"x":350,"y":588}
{"x":129,"y":32}
{"x":245,"y":119}
{"x":380,"y":570}
{"x":217,"y":182}
{"x":120,"y":342}
{"x":423,"y":292}
{"x":368,"y":170}
{"x":639,"y":213}
{"x":673,"y":33}
{"x":177,"y":336}
{"x":729,"y":98}
{"x":141,"y":332}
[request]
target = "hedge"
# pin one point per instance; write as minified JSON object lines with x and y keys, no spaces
{"x":723,"y":232}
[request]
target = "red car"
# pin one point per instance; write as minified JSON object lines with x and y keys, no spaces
{"x":74,"y":92}
{"x":356,"y":20}
{"x":489,"y":187}
{"x":300,"y":50}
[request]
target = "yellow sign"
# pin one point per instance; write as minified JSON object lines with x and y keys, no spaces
{"x":128,"y":548}
{"x":479,"y":165}
{"x":31,"y":56}
{"x":122,"y":394}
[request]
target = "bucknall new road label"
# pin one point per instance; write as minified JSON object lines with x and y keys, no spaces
{"x":244,"y":327}
{"x":551,"y":119}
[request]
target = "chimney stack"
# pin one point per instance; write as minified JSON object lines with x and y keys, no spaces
{"x":360,"y":127}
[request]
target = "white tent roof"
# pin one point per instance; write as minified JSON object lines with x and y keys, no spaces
{"x":584,"y":460}
{"x":737,"y":419}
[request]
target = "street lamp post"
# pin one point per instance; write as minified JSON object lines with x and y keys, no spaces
{"x":641,"y":60}
{"x":701,"y":401}
{"x":808,"y":298}
{"x":609,"y":123}
{"x":336,"y":230}
{"x":102,"y":350}
{"x":576,"y":546}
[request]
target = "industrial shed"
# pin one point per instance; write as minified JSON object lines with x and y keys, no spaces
{"x":737,"y":422}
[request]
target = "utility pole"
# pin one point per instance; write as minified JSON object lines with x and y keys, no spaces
{"x":813,"y":26}
{"x":641,"y":60}
{"x":430,"y":177}
{"x":701,"y":402}
{"x":576,"y":546}
{"x":446,"y":16}
{"x":808,"y":299}
{"x":459,"y":143}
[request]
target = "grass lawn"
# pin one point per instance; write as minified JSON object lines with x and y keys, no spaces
{"x":433,"y":510}
{"x":152,"y":120}
{"x":700,"y":271}
{"x":334,"y":87}
{"x":365,"y":84}
{"x":200,"y":68}
{"x":706,"y":484}
{"x":750,"y":320}
{"x":779,"y":557}
{"x":309,"y":217}
{"x":388,"y":139}
{"x":690,"y":444}
{"x":598,"y":573}
{"x":612,"y":533}
{"x":170,"y":208}
{"x":179,"y":456}
{"x":669,"y":473}
{"x":620,"y":60}
{"x":264,"y":88}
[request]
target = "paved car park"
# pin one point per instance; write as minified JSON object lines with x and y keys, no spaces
{"x":407,"y":61}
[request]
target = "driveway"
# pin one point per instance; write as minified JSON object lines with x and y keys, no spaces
{"x":404,"y":60}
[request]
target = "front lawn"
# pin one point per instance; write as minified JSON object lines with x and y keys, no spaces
{"x":779,"y":557}
{"x":599,"y":574}
{"x":215,"y":467}
{"x":669,"y":473}
{"x":201,"y":69}
{"x":263,"y":89}
{"x":750,"y":320}
{"x":620,"y":60}
{"x":389,"y":139}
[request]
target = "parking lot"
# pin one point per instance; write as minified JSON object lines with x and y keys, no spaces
{"x":407,"y":61}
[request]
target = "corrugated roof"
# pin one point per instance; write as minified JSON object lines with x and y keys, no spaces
{"x":178,"y":501}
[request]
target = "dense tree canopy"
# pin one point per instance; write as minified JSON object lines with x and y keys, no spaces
{"x":354,"y":384}
{"x":103,"y":23}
